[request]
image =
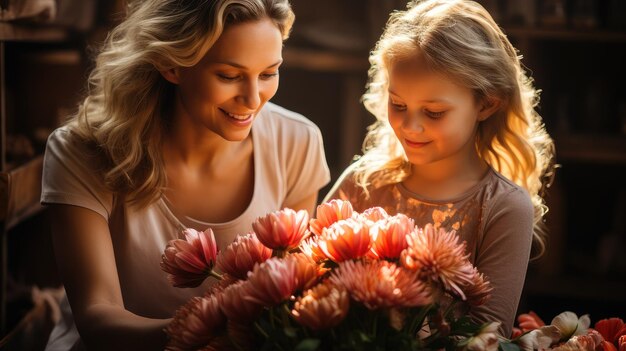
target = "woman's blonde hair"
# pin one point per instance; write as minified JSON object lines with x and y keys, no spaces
{"x":460,"y":39}
{"x":126,"y":109}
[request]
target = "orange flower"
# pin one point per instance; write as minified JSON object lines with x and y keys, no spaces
{"x":389,"y":236}
{"x":272,"y":281}
{"x":282,"y":230}
{"x":195,"y":324}
{"x":381,"y":284}
{"x":310,"y":248}
{"x":322,"y":307}
{"x":586,"y":342}
{"x":345,"y":240}
{"x":329,"y":213}
{"x":307,"y":271}
{"x":374,"y":214}
{"x":529,"y":321}
{"x":438,"y":257}
{"x":241,"y":255}
{"x":236,"y":306}
{"x":188,"y":262}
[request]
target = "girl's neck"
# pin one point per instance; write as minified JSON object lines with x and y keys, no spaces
{"x":447,"y":178}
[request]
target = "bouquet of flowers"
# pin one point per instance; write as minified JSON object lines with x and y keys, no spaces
{"x":341,"y":281}
{"x":567,"y":332}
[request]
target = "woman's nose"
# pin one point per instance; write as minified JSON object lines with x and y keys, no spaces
{"x":250,"y":95}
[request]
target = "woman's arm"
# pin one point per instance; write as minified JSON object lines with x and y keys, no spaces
{"x":308,"y":203}
{"x":84,"y":253}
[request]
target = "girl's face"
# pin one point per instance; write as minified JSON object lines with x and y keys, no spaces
{"x":434,"y":118}
{"x":227,"y":88}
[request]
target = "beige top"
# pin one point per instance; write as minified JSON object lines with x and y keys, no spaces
{"x":289,"y":165}
{"x":494,"y":218}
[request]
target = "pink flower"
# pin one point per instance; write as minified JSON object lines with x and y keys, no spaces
{"x":282,"y":230}
{"x":310,"y":248}
{"x":389,"y":236}
{"x":322,"y":307}
{"x":241,"y":255}
{"x":479,"y":290}
{"x":438,"y":257}
{"x":272,"y":281}
{"x":345,"y":240}
{"x":188,"y":262}
{"x":379,"y":284}
{"x":329,"y":213}
{"x":195,"y":324}
{"x":235,"y":304}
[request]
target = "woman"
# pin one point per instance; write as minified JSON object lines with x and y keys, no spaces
{"x":175,"y":132}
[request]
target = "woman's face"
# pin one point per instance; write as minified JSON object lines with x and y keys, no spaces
{"x":238,"y":75}
{"x":434,"y":118}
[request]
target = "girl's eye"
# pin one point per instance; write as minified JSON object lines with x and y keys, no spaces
{"x":434,"y":114}
{"x":226,"y":77}
{"x":267,"y":76}
{"x":397,"y":107}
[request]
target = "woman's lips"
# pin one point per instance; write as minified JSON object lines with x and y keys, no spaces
{"x":237,"y":119}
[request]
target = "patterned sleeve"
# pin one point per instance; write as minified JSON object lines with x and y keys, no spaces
{"x":68,"y":178}
{"x":503,"y":256}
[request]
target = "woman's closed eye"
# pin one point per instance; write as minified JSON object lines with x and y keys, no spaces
{"x":228,"y":77}
{"x":268,"y":76}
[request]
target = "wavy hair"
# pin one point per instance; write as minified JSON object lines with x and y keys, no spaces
{"x":126,"y":108}
{"x":461,"y":40}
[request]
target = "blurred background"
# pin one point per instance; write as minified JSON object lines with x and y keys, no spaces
{"x":574,"y":49}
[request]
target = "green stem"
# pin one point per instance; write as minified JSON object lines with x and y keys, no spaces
{"x":215,"y":275}
{"x":418,"y":321}
{"x":260,"y":330}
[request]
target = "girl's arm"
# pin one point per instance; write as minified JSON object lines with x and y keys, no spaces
{"x":84,"y":253}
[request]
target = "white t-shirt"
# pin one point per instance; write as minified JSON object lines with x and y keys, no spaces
{"x":289,"y":165}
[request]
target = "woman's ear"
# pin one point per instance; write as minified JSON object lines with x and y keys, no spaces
{"x":171,"y":75}
{"x":489,"y":106}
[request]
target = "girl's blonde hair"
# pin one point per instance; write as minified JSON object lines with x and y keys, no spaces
{"x":460,"y":39}
{"x":127,"y":106}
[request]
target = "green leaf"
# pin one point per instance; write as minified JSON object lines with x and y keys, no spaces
{"x":308,"y":345}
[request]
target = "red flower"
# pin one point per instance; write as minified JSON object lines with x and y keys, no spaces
{"x":241,"y":255}
{"x":188,"y":262}
{"x":611,"y":329}
{"x":329,"y":213}
{"x":529,"y":321}
{"x":282,"y":230}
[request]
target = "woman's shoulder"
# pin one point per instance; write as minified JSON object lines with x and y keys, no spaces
{"x":281,"y":119}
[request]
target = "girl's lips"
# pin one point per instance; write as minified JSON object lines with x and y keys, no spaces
{"x":416,"y":144}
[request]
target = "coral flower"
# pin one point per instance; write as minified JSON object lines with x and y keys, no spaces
{"x":329,"y":213}
{"x":272,"y":281}
{"x":195,"y":324}
{"x":345,"y":240}
{"x":529,"y":321}
{"x":479,"y":290}
{"x":236,"y":306}
{"x":438,"y":257}
{"x":586,"y":342}
{"x":188,"y":262}
{"x":379,"y":284}
{"x":241,"y":255}
{"x":282,"y":230}
{"x":322,"y":307}
{"x":611,"y":329}
{"x":389,"y":236}
{"x":310,"y":248}
{"x":307,"y":271}
{"x":374,"y":214}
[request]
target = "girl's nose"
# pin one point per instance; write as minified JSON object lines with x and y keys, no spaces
{"x":413,"y":123}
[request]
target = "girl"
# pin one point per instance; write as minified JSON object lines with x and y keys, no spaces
{"x":176,"y":132}
{"x":457,"y":142}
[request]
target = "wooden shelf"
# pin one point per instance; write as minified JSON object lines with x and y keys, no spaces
{"x":21,"y":32}
{"x":20,"y":190}
{"x":325,"y":61}
{"x":591,"y":148}
{"x":566,"y":34}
